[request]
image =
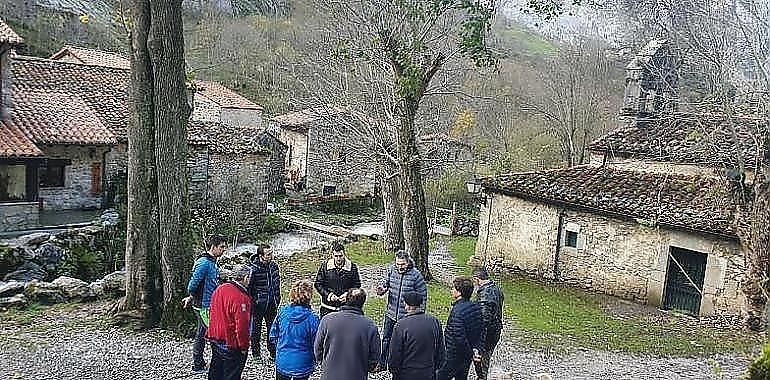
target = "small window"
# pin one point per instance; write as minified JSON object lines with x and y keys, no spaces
{"x":328,"y":190}
{"x":52,"y":174}
{"x":571,"y":239}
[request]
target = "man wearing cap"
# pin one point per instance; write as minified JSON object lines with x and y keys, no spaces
{"x":417,"y":343}
{"x":490,"y":297}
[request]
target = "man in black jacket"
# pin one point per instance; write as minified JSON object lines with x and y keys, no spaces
{"x":417,"y":344}
{"x":490,"y":298}
{"x":334,"y":280}
{"x":265,"y":293}
{"x":464,"y":333}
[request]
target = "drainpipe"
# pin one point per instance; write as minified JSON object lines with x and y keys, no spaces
{"x":489,"y":221}
{"x":559,"y":231}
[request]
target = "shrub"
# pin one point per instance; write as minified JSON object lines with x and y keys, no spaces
{"x":84,"y":263}
{"x":760,"y":368}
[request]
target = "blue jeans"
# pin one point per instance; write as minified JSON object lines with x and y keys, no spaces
{"x":226,"y":364}
{"x":199,"y":344}
{"x":387,"y":331}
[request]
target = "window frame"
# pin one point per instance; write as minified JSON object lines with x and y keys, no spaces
{"x":43,"y":170}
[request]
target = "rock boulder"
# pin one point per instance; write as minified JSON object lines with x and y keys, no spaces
{"x":11,"y":288}
{"x":17,"y":301}
{"x":26,"y":272}
{"x":74,"y":289}
{"x":45,"y":293}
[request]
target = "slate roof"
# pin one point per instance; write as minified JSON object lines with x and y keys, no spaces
{"x":94,"y":57}
{"x":226,"y":139}
{"x":702,"y":139}
{"x":225,"y":97}
{"x":695,"y":203}
{"x":14,"y":143}
{"x":68,"y":103}
{"x":304,"y":118}
{"x":7,"y":35}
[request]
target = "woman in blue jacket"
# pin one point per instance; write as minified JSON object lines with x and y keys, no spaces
{"x":293,"y":333}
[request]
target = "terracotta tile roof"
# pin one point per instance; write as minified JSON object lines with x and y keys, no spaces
{"x":696,"y":203}
{"x":47,"y":117}
{"x":93,"y":57}
{"x":687,"y":138}
{"x":226,"y":139}
{"x":14,"y":143}
{"x":303,"y":118}
{"x":82,"y":104}
{"x":7,"y":35}
{"x":224,"y":96}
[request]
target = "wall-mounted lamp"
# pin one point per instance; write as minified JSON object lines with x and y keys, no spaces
{"x":473,"y":185}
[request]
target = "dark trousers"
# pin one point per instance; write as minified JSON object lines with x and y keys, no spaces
{"x":482,"y":367}
{"x":226,"y":364}
{"x":279,"y":376}
{"x":199,"y":344}
{"x":455,"y":368}
{"x":259,"y":313}
{"x":387,"y":332}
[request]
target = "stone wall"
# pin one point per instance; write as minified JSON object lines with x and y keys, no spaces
{"x":116,"y":160}
{"x":239,"y":182}
{"x":198,"y":172}
{"x":296,"y":156}
{"x":5,"y":82}
{"x":332,"y":162}
{"x":614,"y":256}
{"x":205,"y":110}
{"x":18,"y":216}
{"x":597,"y":159}
{"x":76,"y":192}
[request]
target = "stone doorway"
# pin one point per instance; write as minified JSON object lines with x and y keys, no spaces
{"x":684,"y":280}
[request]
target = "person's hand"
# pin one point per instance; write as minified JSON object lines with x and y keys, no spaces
{"x":343,"y":297}
{"x":332,"y":297}
{"x":380,"y":290}
{"x":476,"y":355}
{"x":186,"y":301}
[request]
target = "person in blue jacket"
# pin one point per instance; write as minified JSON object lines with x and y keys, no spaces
{"x":201,"y":286}
{"x":293,"y":334}
{"x":463,"y":334}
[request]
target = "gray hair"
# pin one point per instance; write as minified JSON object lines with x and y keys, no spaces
{"x":240,"y":272}
{"x":401,"y":254}
{"x":481,"y":273}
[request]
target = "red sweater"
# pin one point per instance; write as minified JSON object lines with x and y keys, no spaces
{"x":230,"y":315}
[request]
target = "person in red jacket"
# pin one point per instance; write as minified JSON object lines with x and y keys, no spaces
{"x":228,"y":329}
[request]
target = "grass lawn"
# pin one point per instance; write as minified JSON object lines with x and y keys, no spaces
{"x":558,"y":316}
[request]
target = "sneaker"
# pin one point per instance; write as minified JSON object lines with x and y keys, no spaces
{"x":200,"y":370}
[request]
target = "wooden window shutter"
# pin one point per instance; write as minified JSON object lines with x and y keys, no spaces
{"x":96,"y":178}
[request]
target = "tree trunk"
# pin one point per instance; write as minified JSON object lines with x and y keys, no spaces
{"x":394,"y":218}
{"x":412,"y":195}
{"x":141,"y":231}
{"x":756,"y":246}
{"x":166,"y":46}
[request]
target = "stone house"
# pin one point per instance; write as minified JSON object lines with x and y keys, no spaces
{"x":327,"y":153}
{"x":64,"y":135}
{"x":650,"y":218}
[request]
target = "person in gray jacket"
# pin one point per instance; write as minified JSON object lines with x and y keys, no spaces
{"x":402,"y":278}
{"x":417,"y":345}
{"x":347,"y":343}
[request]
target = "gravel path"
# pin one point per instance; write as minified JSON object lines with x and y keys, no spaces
{"x":75,"y":343}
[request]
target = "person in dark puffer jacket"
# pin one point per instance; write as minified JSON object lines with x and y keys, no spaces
{"x":402,"y":278}
{"x":265,"y":292}
{"x":490,"y":298}
{"x":464,"y":332}
{"x":335,"y":278}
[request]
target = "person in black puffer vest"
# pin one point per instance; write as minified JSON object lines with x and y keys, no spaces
{"x":490,"y":298}
{"x":464,"y":333}
{"x":265,"y":292}
{"x":334,"y":279}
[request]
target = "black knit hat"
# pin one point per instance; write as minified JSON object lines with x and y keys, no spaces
{"x":413,"y":299}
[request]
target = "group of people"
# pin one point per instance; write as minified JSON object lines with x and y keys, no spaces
{"x":341,"y":338}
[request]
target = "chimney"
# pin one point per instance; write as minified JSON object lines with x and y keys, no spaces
{"x":8,"y":41}
{"x":651,"y":81}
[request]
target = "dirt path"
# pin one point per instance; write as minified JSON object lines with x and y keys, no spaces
{"x":75,"y":342}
